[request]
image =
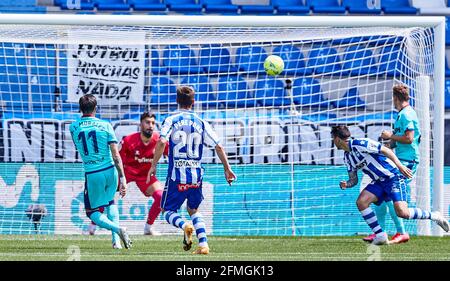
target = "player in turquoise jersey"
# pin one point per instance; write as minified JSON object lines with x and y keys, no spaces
{"x":96,"y":143}
{"x":405,"y":139}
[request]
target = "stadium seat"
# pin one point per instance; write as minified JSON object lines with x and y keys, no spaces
{"x":232,"y":91}
{"x":42,"y":75}
{"x":83,"y":5}
{"x":350,"y":100}
{"x":360,"y":7}
{"x":21,"y":6}
{"x":42,"y":92}
{"x":447,"y":69}
{"x":42,"y":59}
{"x":183,"y":5}
{"x":325,"y":6}
{"x":269,"y":91}
{"x":363,"y":117}
{"x":447,"y":93}
{"x":180,"y":59}
{"x":257,"y":9}
{"x":63,"y":90}
{"x":290,"y":7}
{"x":358,"y":60}
{"x":307,"y":92}
{"x":251,"y":59}
{"x":219,"y":6}
{"x":397,"y":7}
{"x":13,"y":58}
{"x":18,"y":3}
{"x":24,"y":9}
{"x":156,"y":65}
{"x":14,"y":91}
{"x":163,"y":91}
{"x":116,"y":5}
{"x":294,"y":60}
{"x":201,"y":86}
{"x":447,"y":31}
{"x":324,"y":60}
{"x":431,"y":7}
{"x":147,"y":5}
{"x":214,"y":58}
{"x":390,"y":62}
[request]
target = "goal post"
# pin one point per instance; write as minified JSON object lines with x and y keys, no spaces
{"x":338,"y":70}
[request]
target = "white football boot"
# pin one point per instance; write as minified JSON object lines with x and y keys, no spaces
{"x":381,"y":239}
{"x":441,"y":221}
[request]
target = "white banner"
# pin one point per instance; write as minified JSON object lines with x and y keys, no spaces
{"x":114,"y":73}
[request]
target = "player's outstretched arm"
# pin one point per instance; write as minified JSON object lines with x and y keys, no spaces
{"x":391,"y":155}
{"x":159,"y":150}
{"x":229,"y":175}
{"x":119,"y":166}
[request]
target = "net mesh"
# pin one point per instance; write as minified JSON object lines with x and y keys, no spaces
{"x":276,"y":130}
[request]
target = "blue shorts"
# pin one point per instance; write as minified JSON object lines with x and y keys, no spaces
{"x":100,"y":188}
{"x":175,"y":194}
{"x":393,"y":189}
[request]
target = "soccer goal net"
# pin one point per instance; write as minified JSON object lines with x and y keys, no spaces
{"x":276,"y":130}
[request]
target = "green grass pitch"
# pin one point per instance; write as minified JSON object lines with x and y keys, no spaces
{"x":239,"y":248}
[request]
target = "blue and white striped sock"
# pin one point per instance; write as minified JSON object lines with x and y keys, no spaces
{"x":174,"y":219}
{"x":200,"y":229}
{"x":419,"y":214}
{"x":371,"y":219}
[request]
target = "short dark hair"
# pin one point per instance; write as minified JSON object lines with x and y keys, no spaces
{"x":147,"y":114}
{"x":340,"y":131}
{"x":87,"y":103}
{"x":185,"y":96}
{"x":401,"y":92}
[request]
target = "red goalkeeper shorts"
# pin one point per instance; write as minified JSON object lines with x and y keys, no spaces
{"x":141,"y":182}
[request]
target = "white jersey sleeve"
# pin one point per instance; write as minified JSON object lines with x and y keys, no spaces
{"x":211,"y":137}
{"x":367,"y":145}
{"x":166,"y":128}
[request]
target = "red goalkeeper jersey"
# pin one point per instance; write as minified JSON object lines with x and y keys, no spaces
{"x":136,"y":156}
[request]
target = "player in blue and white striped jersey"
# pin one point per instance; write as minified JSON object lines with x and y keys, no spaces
{"x":187,"y":135}
{"x":388,"y":180}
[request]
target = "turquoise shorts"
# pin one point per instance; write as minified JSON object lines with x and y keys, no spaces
{"x":412,"y":165}
{"x":100,"y":188}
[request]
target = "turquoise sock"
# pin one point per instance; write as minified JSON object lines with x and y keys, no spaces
{"x":398,"y":221}
{"x":103,"y":221}
{"x":113,"y":214}
{"x":380,"y":211}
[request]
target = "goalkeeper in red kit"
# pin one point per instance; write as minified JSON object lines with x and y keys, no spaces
{"x":137,"y":151}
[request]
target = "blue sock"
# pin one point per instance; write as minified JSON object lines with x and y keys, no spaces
{"x":371,"y":219}
{"x":381,"y":214}
{"x":113,"y":214}
{"x":399,"y":225}
{"x":103,"y":221}
{"x":174,"y":219}
{"x":200,"y":229}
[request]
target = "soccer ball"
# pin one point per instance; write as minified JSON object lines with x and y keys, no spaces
{"x":273,"y":65}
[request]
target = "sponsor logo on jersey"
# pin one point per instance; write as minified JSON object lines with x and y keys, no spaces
{"x":361,"y":165}
{"x":187,"y":163}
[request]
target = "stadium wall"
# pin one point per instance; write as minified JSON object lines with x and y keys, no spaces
{"x":255,"y":209}
{"x":42,"y":170}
